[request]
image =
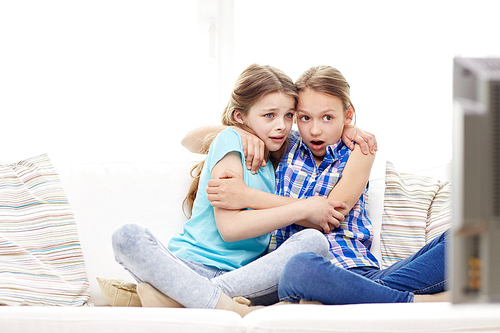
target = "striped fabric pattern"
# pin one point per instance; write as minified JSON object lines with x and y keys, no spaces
{"x":416,"y":210}
{"x":41,"y":260}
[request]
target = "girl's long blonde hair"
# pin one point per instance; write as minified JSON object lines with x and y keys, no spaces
{"x":253,"y":83}
{"x":327,"y":80}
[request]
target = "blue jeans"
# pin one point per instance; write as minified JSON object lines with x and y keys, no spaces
{"x":312,"y":278}
{"x":195,"y":285}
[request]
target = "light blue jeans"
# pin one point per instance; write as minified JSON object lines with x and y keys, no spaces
{"x":195,"y":285}
{"x":312,"y":278}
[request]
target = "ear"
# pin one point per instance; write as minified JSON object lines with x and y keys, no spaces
{"x":349,"y":116}
{"x":238,"y":116}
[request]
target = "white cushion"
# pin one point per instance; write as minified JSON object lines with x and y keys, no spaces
{"x":107,"y":196}
{"x":118,"y":319}
{"x":388,"y":318}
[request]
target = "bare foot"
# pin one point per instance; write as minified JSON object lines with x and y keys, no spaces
{"x":439,"y":297}
{"x":227,"y":303}
{"x":242,"y":300}
{"x":151,"y":297}
{"x":303,"y":301}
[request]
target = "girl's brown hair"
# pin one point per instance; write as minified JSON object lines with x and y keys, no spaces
{"x":253,"y":83}
{"x":327,"y":80}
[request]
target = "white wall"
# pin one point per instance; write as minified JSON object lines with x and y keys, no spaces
{"x":396,"y":55}
{"x":101,"y":80}
{"x":110,"y":80}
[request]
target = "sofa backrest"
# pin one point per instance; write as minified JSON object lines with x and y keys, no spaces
{"x":107,"y":196}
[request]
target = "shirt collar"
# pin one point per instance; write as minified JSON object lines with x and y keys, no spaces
{"x":332,"y":151}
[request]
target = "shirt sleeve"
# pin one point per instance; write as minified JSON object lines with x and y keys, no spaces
{"x":226,"y":142}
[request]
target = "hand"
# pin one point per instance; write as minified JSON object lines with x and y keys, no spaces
{"x":254,"y":150}
{"x":322,"y":212}
{"x":365,"y":140}
{"x":227,"y":192}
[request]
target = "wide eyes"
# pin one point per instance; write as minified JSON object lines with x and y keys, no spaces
{"x":272,"y":115}
{"x":324,"y":118}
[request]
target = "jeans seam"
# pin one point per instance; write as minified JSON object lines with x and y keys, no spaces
{"x":215,"y":298}
{"x":289,"y":298}
{"x":422,"y":291}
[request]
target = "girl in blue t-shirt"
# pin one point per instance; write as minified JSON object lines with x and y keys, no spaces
{"x":219,"y":255}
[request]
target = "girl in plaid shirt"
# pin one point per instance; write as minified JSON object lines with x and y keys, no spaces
{"x":324,"y":106}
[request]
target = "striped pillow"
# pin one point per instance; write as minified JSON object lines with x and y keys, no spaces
{"x":416,"y":210}
{"x":41,"y":260}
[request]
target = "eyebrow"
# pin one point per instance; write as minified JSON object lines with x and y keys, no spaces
{"x":273,"y":108}
{"x":322,"y":112}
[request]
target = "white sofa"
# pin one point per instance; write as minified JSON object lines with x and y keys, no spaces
{"x":106,"y":196}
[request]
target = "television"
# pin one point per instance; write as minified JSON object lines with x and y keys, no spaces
{"x":474,"y":251}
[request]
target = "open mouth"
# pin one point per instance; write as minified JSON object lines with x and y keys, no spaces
{"x":277,"y":138}
{"x":317,"y":144}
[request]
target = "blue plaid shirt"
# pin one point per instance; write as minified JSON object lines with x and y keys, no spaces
{"x":298,"y":176}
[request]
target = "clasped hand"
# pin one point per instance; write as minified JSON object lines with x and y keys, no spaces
{"x":230,"y":192}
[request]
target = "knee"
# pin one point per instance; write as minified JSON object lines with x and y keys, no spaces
{"x":299,"y":267}
{"x":314,"y":241}
{"x":297,"y":274}
{"x":125,"y":238}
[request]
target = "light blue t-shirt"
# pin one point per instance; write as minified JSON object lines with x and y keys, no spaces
{"x":201,"y":241}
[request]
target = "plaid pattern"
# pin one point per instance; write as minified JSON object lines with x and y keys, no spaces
{"x":298,"y":176}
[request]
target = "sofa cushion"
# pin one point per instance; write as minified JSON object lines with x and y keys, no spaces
{"x":41,"y":261}
{"x":389,"y":318}
{"x":108,"y":319}
{"x":416,"y":209}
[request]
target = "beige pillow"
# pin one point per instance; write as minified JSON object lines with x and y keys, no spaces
{"x":119,"y":292}
{"x":416,"y":210}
